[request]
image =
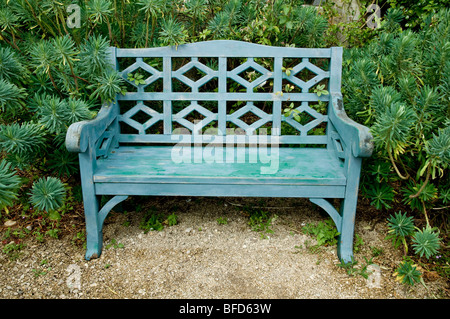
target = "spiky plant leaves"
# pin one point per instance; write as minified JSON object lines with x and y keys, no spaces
{"x":152,"y":9}
{"x":47,"y":194}
{"x":408,"y":87}
{"x":392,"y":20}
{"x":172,"y":32}
{"x":407,"y":273}
{"x":400,"y":224}
{"x":438,"y":151}
{"x":9,"y":184}
{"x":25,"y":138}
{"x":39,"y":83}
{"x":94,"y":57}
{"x":219,"y":25}
{"x":381,"y":195}
{"x":78,"y":110}
{"x":99,"y":10}
{"x":383,"y":97}
{"x":426,"y":242}
{"x":53,"y":114}
{"x":444,"y":194}
{"x":427,"y":195}
{"x":309,"y":27}
{"x":11,"y":68}
{"x":9,"y":20}
{"x":392,"y":128}
{"x":42,"y":56}
{"x":11,"y":98}
{"x":57,"y":114}
{"x":403,"y":58}
{"x":361,"y":79}
{"x":62,"y":163}
{"x":107,"y":86}
{"x":197,"y":8}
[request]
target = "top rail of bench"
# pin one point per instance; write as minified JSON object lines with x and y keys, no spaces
{"x":225,"y":48}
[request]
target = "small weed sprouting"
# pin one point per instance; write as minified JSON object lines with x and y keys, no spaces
{"x":222,"y":221}
{"x":114,"y":244}
{"x":376,"y":251}
{"x":325,"y":232}
{"x":261,"y":221}
{"x":358,"y":242}
{"x":13,"y":250}
{"x":171,"y":220}
{"x":152,"y":221}
{"x":155,"y":221}
{"x":352,"y":269}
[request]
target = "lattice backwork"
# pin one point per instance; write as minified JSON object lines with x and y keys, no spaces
{"x":236,"y":86}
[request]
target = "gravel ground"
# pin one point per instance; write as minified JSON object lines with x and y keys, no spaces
{"x":200,"y":258}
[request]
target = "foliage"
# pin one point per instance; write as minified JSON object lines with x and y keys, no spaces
{"x":9,"y":184}
{"x":417,"y":11}
{"x":426,"y":242}
{"x":346,"y":27}
{"x":407,"y":273}
{"x":153,"y":221}
{"x":397,"y":85}
{"x":261,"y":221}
{"x":325,"y":232}
{"x":47,"y":194}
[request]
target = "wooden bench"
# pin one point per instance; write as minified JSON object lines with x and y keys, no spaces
{"x":223,"y":118}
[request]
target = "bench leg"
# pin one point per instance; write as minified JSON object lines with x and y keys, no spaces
{"x":94,"y":235}
{"x":348,"y":211}
{"x":345,"y":242}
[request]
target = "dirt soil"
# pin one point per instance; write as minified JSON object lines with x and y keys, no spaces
{"x":200,"y":258}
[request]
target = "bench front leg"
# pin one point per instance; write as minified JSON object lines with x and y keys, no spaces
{"x":94,"y":236}
{"x":84,"y":138}
{"x":348,"y":210}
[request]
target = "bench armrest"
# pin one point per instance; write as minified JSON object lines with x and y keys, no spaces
{"x":355,"y":135}
{"x":84,"y":133}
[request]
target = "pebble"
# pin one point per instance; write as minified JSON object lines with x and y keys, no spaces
{"x":10,"y":223}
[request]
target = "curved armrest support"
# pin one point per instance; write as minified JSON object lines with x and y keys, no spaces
{"x":357,"y":136}
{"x":79,"y":134}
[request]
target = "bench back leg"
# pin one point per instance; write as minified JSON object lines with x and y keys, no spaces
{"x":348,"y":211}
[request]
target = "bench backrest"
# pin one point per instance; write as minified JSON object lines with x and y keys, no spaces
{"x":224,"y":88}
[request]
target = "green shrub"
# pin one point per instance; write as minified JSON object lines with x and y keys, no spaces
{"x":398,"y":86}
{"x":417,"y":11}
{"x":8,"y":186}
{"x":325,"y":232}
{"x":47,"y":194}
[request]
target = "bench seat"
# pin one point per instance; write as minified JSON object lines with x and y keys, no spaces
{"x":153,"y":165}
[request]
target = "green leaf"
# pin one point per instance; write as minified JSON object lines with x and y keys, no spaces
{"x":54,"y":215}
{"x":9,"y":184}
{"x":400,"y":224}
{"x":47,"y":194}
{"x":426,"y":242}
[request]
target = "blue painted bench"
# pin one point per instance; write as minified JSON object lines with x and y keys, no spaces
{"x":223,"y":118}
